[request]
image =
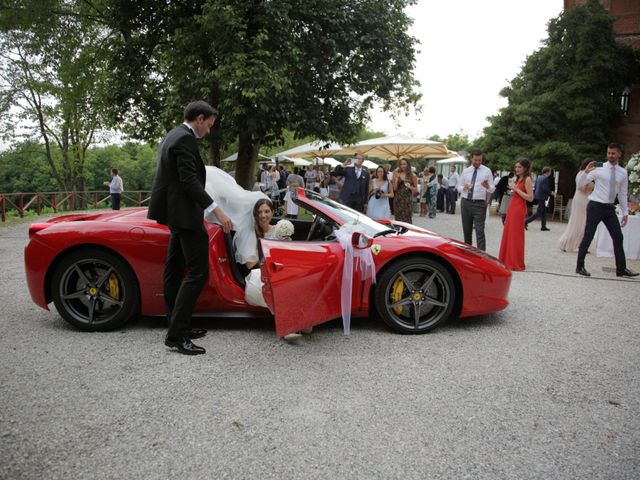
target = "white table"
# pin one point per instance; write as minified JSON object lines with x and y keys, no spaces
{"x":631,"y":243}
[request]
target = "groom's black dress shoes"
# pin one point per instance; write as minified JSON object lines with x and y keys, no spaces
{"x":184,"y":345}
{"x":197,"y":333}
{"x":626,"y":273}
{"x":582,"y":271}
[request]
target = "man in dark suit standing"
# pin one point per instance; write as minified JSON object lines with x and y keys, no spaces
{"x":541,"y":195}
{"x":355,"y":189}
{"x":179,"y":200}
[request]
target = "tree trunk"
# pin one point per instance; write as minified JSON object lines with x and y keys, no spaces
{"x":213,"y":157}
{"x":247,"y":156}
{"x":566,"y":181}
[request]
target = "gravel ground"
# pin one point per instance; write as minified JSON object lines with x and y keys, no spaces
{"x":548,"y":388}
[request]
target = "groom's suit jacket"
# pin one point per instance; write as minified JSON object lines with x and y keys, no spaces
{"x":178,"y":197}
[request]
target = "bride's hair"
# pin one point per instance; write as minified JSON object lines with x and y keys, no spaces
{"x":256,"y":207}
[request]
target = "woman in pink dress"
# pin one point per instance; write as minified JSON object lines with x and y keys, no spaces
{"x":512,"y":243}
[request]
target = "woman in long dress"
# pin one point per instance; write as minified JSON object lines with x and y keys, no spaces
{"x":572,"y":236}
{"x":380,"y":191}
{"x":512,"y":243}
{"x":433,"y":192}
{"x":404,"y":184}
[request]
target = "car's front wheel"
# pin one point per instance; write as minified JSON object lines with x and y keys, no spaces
{"x":415,"y":295}
{"x":94,"y":290}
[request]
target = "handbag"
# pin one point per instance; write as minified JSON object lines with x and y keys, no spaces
{"x":506,"y":199}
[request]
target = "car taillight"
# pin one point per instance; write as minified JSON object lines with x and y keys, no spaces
{"x":36,"y":227}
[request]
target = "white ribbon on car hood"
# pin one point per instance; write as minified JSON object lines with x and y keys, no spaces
{"x":354,"y":259}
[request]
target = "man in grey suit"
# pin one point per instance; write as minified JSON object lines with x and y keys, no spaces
{"x":179,"y":200}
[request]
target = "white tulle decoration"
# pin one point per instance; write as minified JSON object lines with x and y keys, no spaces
{"x":354,"y":260}
{"x":237,"y":203}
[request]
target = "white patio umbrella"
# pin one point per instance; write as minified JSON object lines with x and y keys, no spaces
{"x":234,"y":157}
{"x":370,"y":165}
{"x":317,"y":148}
{"x":396,"y":147}
{"x":298,"y":162}
{"x":332,"y":162}
{"x":452,"y":160}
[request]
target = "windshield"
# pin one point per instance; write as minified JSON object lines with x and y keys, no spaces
{"x":339,"y":212}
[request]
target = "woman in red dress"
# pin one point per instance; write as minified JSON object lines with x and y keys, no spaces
{"x":512,"y":244}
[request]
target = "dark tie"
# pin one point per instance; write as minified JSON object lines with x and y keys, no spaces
{"x":473,"y":184}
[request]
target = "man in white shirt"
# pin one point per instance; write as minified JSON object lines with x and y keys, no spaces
{"x":116,"y":187}
{"x":452,"y":192}
{"x":475,"y":183}
{"x":610,"y":181}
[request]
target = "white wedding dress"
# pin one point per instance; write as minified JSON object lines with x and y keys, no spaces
{"x":237,"y":203}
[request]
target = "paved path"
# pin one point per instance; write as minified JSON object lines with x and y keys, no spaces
{"x":549,"y":388}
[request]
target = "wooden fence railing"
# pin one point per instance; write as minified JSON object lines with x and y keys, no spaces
{"x":20,"y":202}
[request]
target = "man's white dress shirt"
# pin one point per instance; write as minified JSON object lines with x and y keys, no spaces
{"x":602,"y":177}
{"x":453,"y":180}
{"x":479,"y":192}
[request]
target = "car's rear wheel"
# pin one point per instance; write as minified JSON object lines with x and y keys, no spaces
{"x":415,"y":295}
{"x":95,"y":290}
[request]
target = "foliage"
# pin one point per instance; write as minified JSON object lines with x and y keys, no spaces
{"x":565,"y":101}
{"x":51,"y":69}
{"x":135,"y":163}
{"x":313,"y":67}
{"x":633,"y":167}
{"x":456,"y":141}
{"x":24,"y":167}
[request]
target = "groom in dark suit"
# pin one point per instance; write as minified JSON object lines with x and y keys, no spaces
{"x":355,"y":190}
{"x":179,"y":200}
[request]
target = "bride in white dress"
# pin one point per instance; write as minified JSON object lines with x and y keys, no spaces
{"x":238,"y":204}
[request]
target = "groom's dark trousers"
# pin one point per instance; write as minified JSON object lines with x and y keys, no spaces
{"x":178,"y":200}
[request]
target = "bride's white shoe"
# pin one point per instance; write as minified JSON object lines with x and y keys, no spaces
{"x":292,"y":337}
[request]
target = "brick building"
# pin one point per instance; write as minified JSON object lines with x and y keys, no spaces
{"x":627,"y":30}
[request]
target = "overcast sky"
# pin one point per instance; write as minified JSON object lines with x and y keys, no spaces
{"x":469,"y":51}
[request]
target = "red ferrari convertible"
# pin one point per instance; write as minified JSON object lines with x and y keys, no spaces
{"x":102,"y":269}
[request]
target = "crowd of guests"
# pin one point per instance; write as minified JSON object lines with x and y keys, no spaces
{"x":521,"y":200}
{"x":380,"y":193}
{"x":599,"y":188}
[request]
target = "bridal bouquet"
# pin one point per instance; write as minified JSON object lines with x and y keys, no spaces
{"x":633,"y":167}
{"x":283,"y":230}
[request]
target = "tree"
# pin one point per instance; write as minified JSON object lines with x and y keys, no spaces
{"x":24,"y":168}
{"x":50,"y":68}
{"x":456,"y":141}
{"x":312,"y":67}
{"x":133,"y":161}
{"x":566,"y":100}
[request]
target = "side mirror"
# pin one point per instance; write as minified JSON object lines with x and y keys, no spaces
{"x":361,"y":241}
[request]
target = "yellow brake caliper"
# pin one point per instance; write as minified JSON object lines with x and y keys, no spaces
{"x":396,"y":294}
{"x":114,"y":286}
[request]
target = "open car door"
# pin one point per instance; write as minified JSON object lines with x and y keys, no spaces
{"x":301,"y":282}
